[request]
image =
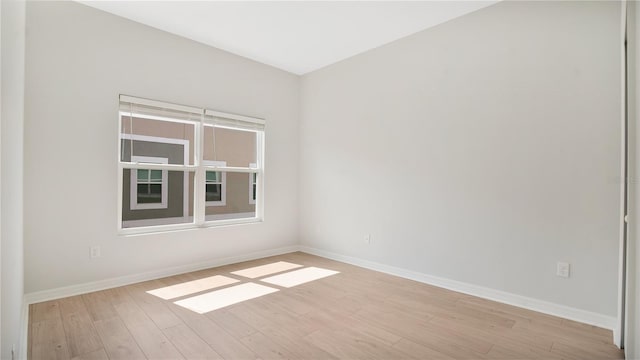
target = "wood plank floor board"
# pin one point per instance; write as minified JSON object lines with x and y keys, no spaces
{"x":567,"y":334}
{"x":118,"y":342}
{"x":154,"y":307}
{"x":520,"y":315}
{"x":514,"y":346}
{"x":327,"y":341}
{"x":82,"y":337}
{"x":48,"y":310}
{"x":418,"y":351}
{"x":326,"y":289}
{"x":30,"y":331}
{"x":327,"y":318}
{"x":475,"y":343}
{"x":99,"y":305}
{"x":190,"y":345}
{"x":336,"y":319}
{"x":375,"y":332}
{"x":513,"y":312}
{"x":414,"y":306}
{"x":230,"y":322}
{"x":253,"y":318}
{"x":430,"y":308}
{"x":266,"y":348}
{"x":49,"y":340}
{"x":585,"y":350}
{"x":372,"y":345}
{"x":261,"y":313}
{"x":605,"y":334}
{"x":278,"y":313}
{"x":295,"y":343}
{"x":573,"y":356}
{"x":228,"y":346}
{"x":94,"y":355}
{"x":354,"y":314}
{"x":81,"y":334}
{"x":322,"y":298}
{"x":118,"y":295}
{"x":392,"y":318}
{"x":145,"y":332}
{"x":500,"y":352}
{"x":423,"y":333}
{"x":418,"y":330}
{"x":483,"y":315}
{"x":289,"y":302}
{"x":496,"y":335}
{"x":474,"y":322}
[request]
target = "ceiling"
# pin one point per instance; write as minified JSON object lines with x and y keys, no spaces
{"x":296,"y":36}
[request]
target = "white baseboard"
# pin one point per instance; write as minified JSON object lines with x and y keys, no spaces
{"x":617,"y":340}
{"x":583,"y":316}
{"x":52,"y":294}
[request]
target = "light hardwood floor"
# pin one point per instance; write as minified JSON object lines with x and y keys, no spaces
{"x":356,"y":314}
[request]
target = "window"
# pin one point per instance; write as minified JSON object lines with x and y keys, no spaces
{"x":184,"y":167}
{"x":215,"y":181}
{"x":253,"y":177}
{"x":148,"y":187}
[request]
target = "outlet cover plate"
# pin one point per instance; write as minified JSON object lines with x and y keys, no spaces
{"x":95,"y":252}
{"x":563,"y":269}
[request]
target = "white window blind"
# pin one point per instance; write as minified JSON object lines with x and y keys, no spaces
{"x":153,"y":108}
{"x":233,"y":121}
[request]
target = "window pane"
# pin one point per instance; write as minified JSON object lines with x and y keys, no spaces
{"x":212,"y":176}
{"x":236,"y":147}
{"x":156,"y":175}
{"x":237,"y":204}
{"x":161,"y":203}
{"x":214,"y":192}
{"x":144,"y":137}
{"x":143,"y":175}
{"x":149,"y":193}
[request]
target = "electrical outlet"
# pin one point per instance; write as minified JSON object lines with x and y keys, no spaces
{"x":95,"y":252}
{"x":367,"y":239}
{"x":563,"y":269}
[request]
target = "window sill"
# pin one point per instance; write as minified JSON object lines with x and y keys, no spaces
{"x":160,"y":229}
{"x":215,"y":203}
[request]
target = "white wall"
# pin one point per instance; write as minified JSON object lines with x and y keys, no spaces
{"x":632,"y":335}
{"x":78,"y":60}
{"x":11,"y":150}
{"x":483,"y":150}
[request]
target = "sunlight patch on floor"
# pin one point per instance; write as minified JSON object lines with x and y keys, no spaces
{"x":264,"y":270}
{"x":297,"y":277}
{"x":192,"y":287}
{"x":217,"y":299}
{"x":221,"y":298}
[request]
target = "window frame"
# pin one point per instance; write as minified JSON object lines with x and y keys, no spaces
{"x":133,"y":192}
{"x":160,"y":110}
